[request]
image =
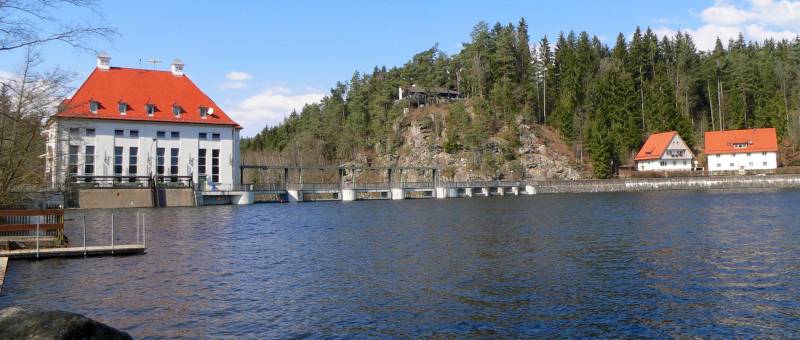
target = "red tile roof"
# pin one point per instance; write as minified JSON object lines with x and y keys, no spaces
{"x":757,"y":140}
{"x":136,"y":88}
{"x":655,"y":146}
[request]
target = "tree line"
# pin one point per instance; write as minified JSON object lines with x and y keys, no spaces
{"x":604,"y":100}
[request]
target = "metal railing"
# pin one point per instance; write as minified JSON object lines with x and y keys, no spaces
{"x":174,"y":181}
{"x":481,"y":184}
{"x":366,"y":186}
{"x":119,"y":182}
{"x":314,"y":186}
{"x":267,"y":186}
{"x":416,"y":185}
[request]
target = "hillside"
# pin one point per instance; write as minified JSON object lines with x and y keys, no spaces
{"x":533,"y":106}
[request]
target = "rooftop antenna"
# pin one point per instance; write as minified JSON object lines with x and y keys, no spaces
{"x":154,"y":61}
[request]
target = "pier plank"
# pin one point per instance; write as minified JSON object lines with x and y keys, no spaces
{"x":74,"y":251}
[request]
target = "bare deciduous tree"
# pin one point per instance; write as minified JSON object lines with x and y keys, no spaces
{"x":26,"y":100}
{"x":32,"y":22}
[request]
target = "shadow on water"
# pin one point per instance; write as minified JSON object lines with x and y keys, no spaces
{"x":658,"y":264}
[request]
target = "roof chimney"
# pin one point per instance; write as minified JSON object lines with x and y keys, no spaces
{"x":103,"y":61}
{"x":177,"y":68}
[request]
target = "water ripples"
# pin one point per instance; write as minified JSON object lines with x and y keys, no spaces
{"x":662,"y":264}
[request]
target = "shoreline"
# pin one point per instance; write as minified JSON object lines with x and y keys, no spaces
{"x":663,"y":184}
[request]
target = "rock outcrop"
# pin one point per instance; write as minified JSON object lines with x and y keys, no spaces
{"x":535,"y":157}
{"x":20,"y":323}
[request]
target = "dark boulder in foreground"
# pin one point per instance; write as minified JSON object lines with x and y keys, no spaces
{"x":19,"y":323}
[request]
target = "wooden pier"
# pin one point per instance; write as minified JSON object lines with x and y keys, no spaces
{"x":126,"y":249}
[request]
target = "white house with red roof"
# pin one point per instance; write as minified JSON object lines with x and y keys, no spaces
{"x":665,"y":151}
{"x":130,"y":123}
{"x":749,"y":149}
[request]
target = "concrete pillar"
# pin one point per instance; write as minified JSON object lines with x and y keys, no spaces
{"x":348,"y":195}
{"x":530,"y":189}
{"x":398,"y":194}
{"x":442,"y":192}
{"x":468,"y":192}
{"x":295,"y":195}
{"x":245,"y":198}
{"x":515,"y":191}
{"x":501,"y":191}
{"x":485,"y":191}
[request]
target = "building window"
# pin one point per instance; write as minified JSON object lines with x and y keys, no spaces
{"x":731,"y":165}
{"x":201,"y":162}
{"x":215,"y":136}
{"x":739,"y":145}
{"x":72,"y":161}
{"x":160,"y":161}
{"x":684,"y":162}
{"x":133,"y":133}
{"x":74,"y":132}
{"x":748,"y":154}
{"x":89,"y":133}
{"x":717,"y":155}
{"x":215,"y":165}
{"x":123,"y":108}
{"x":765,"y":163}
{"x":175,"y":134}
{"x":133,"y":161}
{"x":119,"y":133}
{"x":763,"y":153}
{"x":173,"y":163}
{"x":161,"y":134}
{"x":203,"y":112}
{"x":202,"y":135}
{"x":118,"y":161}
{"x":88,"y":160}
{"x":663,"y":163}
{"x":176,"y":110}
{"x":674,"y":163}
{"x":93,"y":106}
{"x":719,"y":165}
{"x":150,"y":109}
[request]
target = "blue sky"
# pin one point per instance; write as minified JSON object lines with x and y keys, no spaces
{"x":259,"y":59}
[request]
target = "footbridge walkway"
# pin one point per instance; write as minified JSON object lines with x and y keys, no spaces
{"x":345,"y":183}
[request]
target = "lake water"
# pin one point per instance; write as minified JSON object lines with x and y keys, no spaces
{"x":660,"y":264}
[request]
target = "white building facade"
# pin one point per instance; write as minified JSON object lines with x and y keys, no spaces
{"x":148,"y":132}
{"x":741,"y":150}
{"x":743,"y":161}
{"x":665,"y":152}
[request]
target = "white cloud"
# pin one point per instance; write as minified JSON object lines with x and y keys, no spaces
{"x":235,"y":80}
{"x":270,"y":107}
{"x":757,"y":20}
{"x":238,"y":76}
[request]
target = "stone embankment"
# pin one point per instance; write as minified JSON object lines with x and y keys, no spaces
{"x":653,"y":184}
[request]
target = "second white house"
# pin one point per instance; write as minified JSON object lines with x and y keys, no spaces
{"x":749,"y":149}
{"x":665,"y":151}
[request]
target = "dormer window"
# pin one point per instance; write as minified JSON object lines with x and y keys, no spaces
{"x":123,"y":108}
{"x":94,"y":106}
{"x":739,"y":145}
{"x":150,"y":109}
{"x":176,"y":111}
{"x":203,"y":112}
